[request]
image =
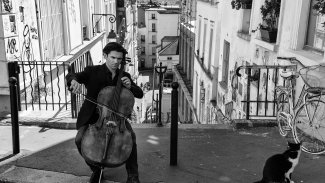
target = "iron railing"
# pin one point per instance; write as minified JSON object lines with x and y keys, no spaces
{"x":42,"y":86}
{"x":261,"y":81}
{"x":78,"y":65}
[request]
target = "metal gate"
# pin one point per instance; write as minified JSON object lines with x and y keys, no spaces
{"x":42,"y":86}
{"x":261,"y":81}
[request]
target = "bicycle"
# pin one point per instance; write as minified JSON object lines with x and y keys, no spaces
{"x":305,"y":118}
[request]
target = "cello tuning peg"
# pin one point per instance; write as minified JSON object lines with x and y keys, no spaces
{"x":128,"y":59}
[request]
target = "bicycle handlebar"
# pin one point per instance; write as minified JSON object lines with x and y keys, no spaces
{"x":237,"y":71}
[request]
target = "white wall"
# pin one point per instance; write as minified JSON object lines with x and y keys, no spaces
{"x":211,"y":15}
{"x":96,"y":53}
{"x":167,"y":25}
{"x":169,"y":63}
{"x":75,"y":28}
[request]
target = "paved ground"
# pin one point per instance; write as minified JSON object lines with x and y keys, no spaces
{"x":206,"y":154}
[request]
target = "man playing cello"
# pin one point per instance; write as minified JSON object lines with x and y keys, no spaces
{"x":96,"y":78}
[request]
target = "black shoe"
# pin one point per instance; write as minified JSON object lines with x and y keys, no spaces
{"x":95,"y":177}
{"x":133,"y":179}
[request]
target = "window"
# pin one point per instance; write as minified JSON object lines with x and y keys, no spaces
{"x":142,"y":62}
{"x":199,"y":36}
{"x":143,"y":38}
{"x":153,"y":51}
{"x":225,"y":63}
{"x":143,"y":50}
{"x":204,"y":38}
{"x":153,"y":27}
{"x":245,"y":23}
{"x":316,"y":32}
{"x":154,"y":39}
{"x":210,"y":46}
{"x":153,"y":16}
{"x":169,"y":58}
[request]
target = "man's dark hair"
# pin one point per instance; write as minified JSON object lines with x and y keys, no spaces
{"x":114,"y":46}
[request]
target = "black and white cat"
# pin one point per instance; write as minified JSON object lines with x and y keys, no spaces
{"x":278,"y":168}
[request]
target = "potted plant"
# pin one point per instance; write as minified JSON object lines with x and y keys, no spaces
{"x":244,"y":4}
{"x":270,"y":13}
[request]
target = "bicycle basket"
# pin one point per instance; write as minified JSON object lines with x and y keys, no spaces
{"x":313,"y":76}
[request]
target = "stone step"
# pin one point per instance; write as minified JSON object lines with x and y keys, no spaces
{"x":28,"y":175}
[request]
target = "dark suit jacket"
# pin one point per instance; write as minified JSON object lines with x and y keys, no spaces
{"x":96,"y":78}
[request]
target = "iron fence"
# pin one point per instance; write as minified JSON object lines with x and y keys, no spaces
{"x":42,"y":86}
{"x":261,"y":81}
{"x":79,"y":65}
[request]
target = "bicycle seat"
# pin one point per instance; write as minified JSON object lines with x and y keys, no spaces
{"x":316,"y":90}
{"x":289,"y":74}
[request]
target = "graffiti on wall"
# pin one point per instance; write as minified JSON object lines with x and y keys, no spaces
{"x":20,"y":32}
{"x":6,"y":6}
{"x":28,"y":33}
{"x":27,"y":53}
{"x":12,"y":48}
{"x":74,"y":22}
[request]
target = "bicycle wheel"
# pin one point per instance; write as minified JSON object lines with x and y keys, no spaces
{"x":283,"y":108}
{"x":309,"y":126}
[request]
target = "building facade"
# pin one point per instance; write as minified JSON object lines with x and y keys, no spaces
{"x":184,"y":71}
{"x":155,"y":22}
{"x":54,"y":31}
{"x":228,"y":36}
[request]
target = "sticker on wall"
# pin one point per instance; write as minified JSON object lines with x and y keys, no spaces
{"x":7,"y":6}
{"x":12,"y":48}
{"x":9,"y":25}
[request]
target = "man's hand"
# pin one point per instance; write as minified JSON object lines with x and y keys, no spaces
{"x":126,"y":82}
{"x":75,"y":86}
{"x":110,"y":127}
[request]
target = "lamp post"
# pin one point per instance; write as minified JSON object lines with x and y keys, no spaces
{"x":112,"y":19}
{"x":112,"y":36}
{"x":157,"y":106}
{"x":160,"y":70}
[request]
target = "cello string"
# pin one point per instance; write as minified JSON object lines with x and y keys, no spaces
{"x":104,"y":105}
{"x":118,"y":87}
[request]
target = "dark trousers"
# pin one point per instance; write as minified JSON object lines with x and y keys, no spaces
{"x":131,"y":164}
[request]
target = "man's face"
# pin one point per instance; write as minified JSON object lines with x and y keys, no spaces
{"x":113,"y":59}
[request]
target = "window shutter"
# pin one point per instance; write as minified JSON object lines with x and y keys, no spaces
{"x":51,"y":22}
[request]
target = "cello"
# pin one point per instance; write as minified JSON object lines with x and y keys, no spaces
{"x":107,"y":142}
